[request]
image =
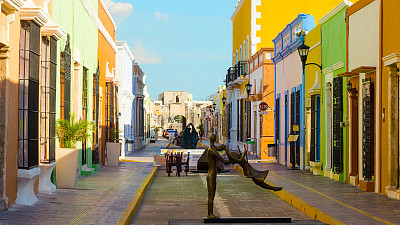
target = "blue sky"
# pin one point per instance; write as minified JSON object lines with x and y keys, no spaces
{"x":181,"y":45}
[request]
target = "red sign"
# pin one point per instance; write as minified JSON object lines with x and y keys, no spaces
{"x":263,"y":106}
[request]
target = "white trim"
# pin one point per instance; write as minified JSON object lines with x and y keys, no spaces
{"x":316,"y":45}
{"x":53,"y":30}
{"x":338,"y":65}
{"x":327,"y":70}
{"x":35,"y":13}
{"x":93,"y":14}
{"x":254,"y":26}
{"x":126,"y":46}
{"x":108,"y":13}
{"x":391,"y":59}
{"x":334,"y":11}
{"x":237,"y":8}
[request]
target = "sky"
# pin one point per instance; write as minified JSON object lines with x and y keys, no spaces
{"x":181,"y":45}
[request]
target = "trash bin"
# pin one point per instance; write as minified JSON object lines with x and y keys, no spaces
{"x":271,"y":150}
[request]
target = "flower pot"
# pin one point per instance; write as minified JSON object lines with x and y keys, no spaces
{"x":113,"y":152}
{"x":66,"y":168}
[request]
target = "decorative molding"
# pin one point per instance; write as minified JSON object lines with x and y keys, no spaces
{"x":334,"y":11}
{"x":316,"y":88}
{"x":391,"y":59}
{"x":125,"y":45}
{"x":108,"y":13}
{"x":338,"y":65}
{"x":327,"y":70}
{"x":53,"y":30}
{"x":237,"y":8}
{"x":11,"y":6}
{"x":35,"y":13}
{"x":93,"y":14}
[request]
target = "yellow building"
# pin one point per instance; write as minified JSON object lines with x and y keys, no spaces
{"x":255,"y":23}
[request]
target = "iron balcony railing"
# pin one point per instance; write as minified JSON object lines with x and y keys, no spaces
{"x":230,"y":75}
{"x":241,"y":69}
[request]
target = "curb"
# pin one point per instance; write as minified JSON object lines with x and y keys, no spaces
{"x":135,"y":202}
{"x":301,"y":204}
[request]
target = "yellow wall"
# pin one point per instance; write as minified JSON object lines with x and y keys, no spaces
{"x":275,"y":15}
{"x":314,"y":56}
{"x":12,"y":142}
{"x":390,"y":45}
{"x":241,"y":28}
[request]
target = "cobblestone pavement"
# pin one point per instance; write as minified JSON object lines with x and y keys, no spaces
{"x":185,"y":197}
{"x":98,"y":199}
{"x":340,"y":200}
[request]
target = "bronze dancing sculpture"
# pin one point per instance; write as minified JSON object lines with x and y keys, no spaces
{"x":257,"y":176}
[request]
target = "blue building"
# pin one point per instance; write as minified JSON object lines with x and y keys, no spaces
{"x":290,"y":93}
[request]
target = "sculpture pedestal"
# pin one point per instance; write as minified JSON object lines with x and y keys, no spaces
{"x":26,"y":179}
{"x":245,"y":220}
{"x":45,"y":184}
{"x":242,"y":220}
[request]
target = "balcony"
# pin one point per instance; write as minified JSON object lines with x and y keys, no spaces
{"x":236,"y":74}
{"x":230,"y":77}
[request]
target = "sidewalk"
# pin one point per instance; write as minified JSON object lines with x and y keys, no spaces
{"x":340,"y":200}
{"x":98,"y":199}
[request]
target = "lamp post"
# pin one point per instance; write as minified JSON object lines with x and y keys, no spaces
{"x":248,"y":87}
{"x":303,"y":51}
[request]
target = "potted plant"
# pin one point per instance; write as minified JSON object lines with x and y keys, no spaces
{"x":113,"y":147}
{"x":69,"y":132}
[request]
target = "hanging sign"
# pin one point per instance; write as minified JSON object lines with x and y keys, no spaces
{"x":263,"y":106}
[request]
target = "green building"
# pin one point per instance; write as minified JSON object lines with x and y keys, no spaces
{"x":334,"y":94}
{"x":77,"y":68}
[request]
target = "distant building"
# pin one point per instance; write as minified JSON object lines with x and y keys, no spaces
{"x":175,"y":107}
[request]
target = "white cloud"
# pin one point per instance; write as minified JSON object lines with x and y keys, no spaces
{"x":162,"y":17}
{"x":143,"y":56}
{"x":119,"y":10}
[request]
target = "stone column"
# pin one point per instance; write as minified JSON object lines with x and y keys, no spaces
{"x":393,"y":122}
{"x":328,"y":128}
{"x":4,"y":57}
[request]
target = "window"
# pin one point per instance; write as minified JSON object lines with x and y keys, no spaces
{"x":28,"y":99}
{"x":177,"y":99}
{"x":140,"y":116}
{"x":65,"y":81}
{"x":277,"y":119}
{"x":109,"y":109}
{"x":116,"y":107}
{"x":84,"y":109}
{"x":315,"y":128}
{"x":229,"y":120}
{"x":95,"y":135}
{"x":47,"y":103}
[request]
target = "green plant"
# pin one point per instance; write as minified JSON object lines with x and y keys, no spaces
{"x":200,"y":127}
{"x":156,"y":129}
{"x":114,"y":134}
{"x":69,"y":132}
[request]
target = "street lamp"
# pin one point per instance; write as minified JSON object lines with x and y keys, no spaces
{"x":223,"y":101}
{"x":303,"y":53}
{"x":349,"y":86}
{"x":248,"y":88}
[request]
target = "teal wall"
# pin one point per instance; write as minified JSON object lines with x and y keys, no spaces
{"x":72,"y":16}
{"x":333,"y":41}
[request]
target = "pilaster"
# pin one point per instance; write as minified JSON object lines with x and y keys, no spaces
{"x":4,"y":56}
{"x":328,"y":130}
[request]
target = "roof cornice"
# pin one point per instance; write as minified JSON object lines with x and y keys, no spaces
{"x":334,"y":11}
{"x":237,"y":8}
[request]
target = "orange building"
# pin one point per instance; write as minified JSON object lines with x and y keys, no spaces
{"x":106,"y":55}
{"x":390,"y":55}
{"x":261,"y":77}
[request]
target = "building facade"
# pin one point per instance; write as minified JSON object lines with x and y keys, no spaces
{"x":138,"y":106}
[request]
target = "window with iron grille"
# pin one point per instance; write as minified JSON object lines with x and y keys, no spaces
{"x":47,"y":103}
{"x":315,"y":128}
{"x":337,"y":130}
{"x":28,"y":98}
{"x":116,"y":106}
{"x":140,"y":117}
{"x":95,"y":114}
{"x":65,"y":80}
{"x":248,"y":119}
{"x":109,"y":109}
{"x":229,"y":120}
{"x":84,"y":109}
{"x":238,"y":120}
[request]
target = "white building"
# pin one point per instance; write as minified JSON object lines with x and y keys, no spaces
{"x":124,"y":73}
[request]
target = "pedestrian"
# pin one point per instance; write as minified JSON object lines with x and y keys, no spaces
{"x":201,"y":135}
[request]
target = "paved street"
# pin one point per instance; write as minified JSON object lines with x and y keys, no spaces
{"x":98,"y":199}
{"x":185,"y":197}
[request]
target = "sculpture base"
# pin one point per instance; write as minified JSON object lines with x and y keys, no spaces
{"x":244,"y":220}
